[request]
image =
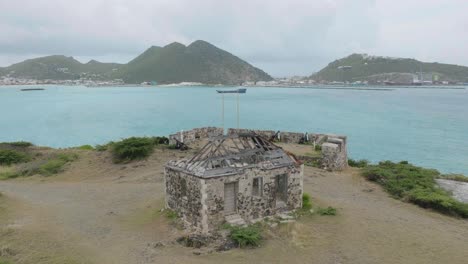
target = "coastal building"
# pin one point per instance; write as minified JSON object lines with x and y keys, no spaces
{"x":239,"y":178}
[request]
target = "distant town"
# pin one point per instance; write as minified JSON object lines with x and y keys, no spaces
{"x":295,"y":81}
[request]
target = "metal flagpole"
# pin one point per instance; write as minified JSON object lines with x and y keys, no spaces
{"x":237,"y":110}
{"x":222,"y":112}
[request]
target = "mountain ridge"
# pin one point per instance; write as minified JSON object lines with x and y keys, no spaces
{"x":364,"y":67}
{"x":200,"y":61}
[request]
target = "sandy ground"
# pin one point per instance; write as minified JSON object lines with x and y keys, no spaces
{"x":99,"y":212}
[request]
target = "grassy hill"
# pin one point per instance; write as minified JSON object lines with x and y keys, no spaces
{"x":361,"y":67}
{"x":58,"y":67}
{"x":198,"y":62}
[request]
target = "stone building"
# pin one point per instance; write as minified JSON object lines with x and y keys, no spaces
{"x":237,"y":178}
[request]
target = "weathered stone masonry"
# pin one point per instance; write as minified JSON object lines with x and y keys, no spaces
{"x":192,"y":135}
{"x":266,"y":180}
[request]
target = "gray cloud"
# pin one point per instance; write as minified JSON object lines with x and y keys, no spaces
{"x":282,"y":37}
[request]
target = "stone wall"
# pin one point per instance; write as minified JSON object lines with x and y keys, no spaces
{"x":190,"y":136}
{"x":334,"y":153}
{"x":264,"y":133}
{"x":202,"y":206}
{"x":183,"y":195}
{"x":252,"y":207}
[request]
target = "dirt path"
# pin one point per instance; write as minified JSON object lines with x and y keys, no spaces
{"x":111,"y":216}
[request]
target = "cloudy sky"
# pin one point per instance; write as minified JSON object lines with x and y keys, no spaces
{"x":283,"y":37}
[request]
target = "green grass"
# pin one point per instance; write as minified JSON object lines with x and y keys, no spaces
{"x":249,"y":236}
{"x":171,"y":214}
{"x":358,"y":163}
{"x":454,"y":177}
{"x":416,"y":185}
{"x":86,"y":147}
{"x":133,"y":148}
{"x":326,"y":211}
{"x":9,"y":157}
{"x":4,"y":262}
{"x":306,"y":203}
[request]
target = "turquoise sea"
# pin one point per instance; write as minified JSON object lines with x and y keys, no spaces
{"x":428,"y":127}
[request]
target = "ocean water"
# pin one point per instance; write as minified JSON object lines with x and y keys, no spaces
{"x":428,"y":127}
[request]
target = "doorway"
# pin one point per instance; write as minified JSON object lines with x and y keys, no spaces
{"x":230,"y":198}
{"x":281,"y":190}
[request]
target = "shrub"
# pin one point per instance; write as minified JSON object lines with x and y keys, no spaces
{"x":20,"y":144}
{"x":415,"y":184}
{"x":172,"y":146}
{"x":132,"y":149}
{"x":246,"y":236}
{"x":86,"y":147}
{"x":52,"y":167}
{"x":56,"y":165}
{"x":306,"y":203}
{"x":326,"y":211}
{"x":171,"y":214}
{"x":8,"y":175}
{"x":103,"y":147}
{"x":160,"y":140}
{"x":318,"y":148}
{"x":358,"y":163}
{"x":8,"y":157}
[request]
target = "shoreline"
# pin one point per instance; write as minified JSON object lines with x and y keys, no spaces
{"x":315,"y":87}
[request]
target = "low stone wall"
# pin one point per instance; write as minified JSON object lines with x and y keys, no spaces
{"x":334,"y":153}
{"x":264,"y":133}
{"x":190,"y":136}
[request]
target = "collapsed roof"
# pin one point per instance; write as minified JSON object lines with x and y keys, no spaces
{"x":228,"y":155}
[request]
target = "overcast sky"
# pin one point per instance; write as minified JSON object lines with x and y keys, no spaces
{"x":283,"y":37}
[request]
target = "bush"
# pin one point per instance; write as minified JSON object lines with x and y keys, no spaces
{"x":318,"y":148}
{"x":56,"y":165}
{"x":20,"y":144}
{"x":160,"y":140}
{"x":326,"y":211}
{"x":8,"y":175}
{"x":358,"y":163}
{"x":86,"y":147}
{"x":8,"y":157}
{"x":52,"y":167}
{"x":415,"y":184}
{"x":103,"y":147}
{"x":246,"y":236}
{"x":306,"y":203}
{"x":132,"y":149}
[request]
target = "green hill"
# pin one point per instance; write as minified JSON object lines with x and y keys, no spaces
{"x":362,"y":67}
{"x":58,"y":67}
{"x":198,"y":62}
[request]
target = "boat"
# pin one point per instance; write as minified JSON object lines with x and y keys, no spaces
{"x":242,"y":91}
{"x":32,"y":89}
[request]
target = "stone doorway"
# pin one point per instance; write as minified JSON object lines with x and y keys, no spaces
{"x":230,"y":198}
{"x":281,"y":190}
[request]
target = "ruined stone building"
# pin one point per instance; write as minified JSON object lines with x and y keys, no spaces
{"x":237,"y":178}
